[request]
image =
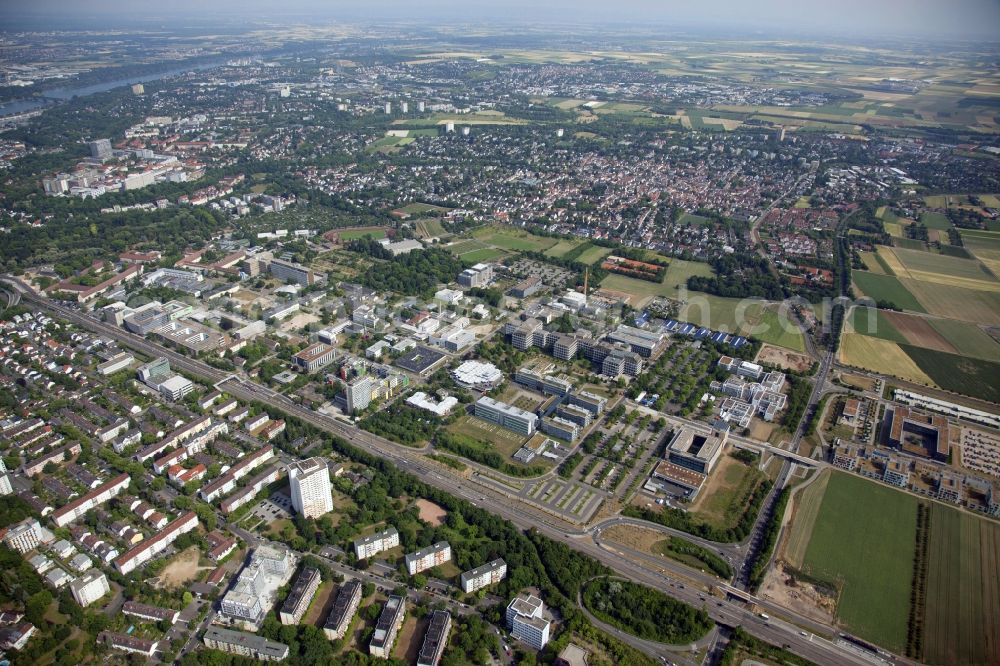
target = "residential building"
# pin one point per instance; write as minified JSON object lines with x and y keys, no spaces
{"x":288,"y":271}
{"x":24,"y":536}
{"x":387,"y":627}
{"x":301,"y":595}
{"x":507,"y":416}
{"x":428,"y":557}
{"x":127,"y":643}
{"x":312,"y":494}
{"x":524,"y":617}
{"x":156,"y":544}
{"x":247,"y":645}
{"x":435,"y":640}
{"x":89,"y":587}
{"x":373,"y":544}
{"x":483,"y":576}
{"x":344,"y":607}
{"x":150,"y":613}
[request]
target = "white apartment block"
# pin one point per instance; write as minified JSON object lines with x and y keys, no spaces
{"x":484,"y":576}
{"x":429,"y":557}
{"x":374,"y":544}
{"x":89,"y":587}
{"x":312,"y":494}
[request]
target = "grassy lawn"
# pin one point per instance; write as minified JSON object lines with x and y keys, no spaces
{"x":886,"y":288}
{"x":562,"y":247}
{"x":422,"y":208}
{"x":513,"y":239}
{"x":935,"y":221}
{"x":962,"y":621}
{"x":504,"y":441}
{"x":485,"y":254}
{"x":863,"y":540}
{"x":353,"y":234}
{"x":778,"y":331}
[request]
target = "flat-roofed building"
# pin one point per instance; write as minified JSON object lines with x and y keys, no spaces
{"x":478,"y":275}
{"x":435,"y":640}
{"x":301,"y":595}
{"x":428,"y":557}
{"x":697,"y":451}
{"x":24,"y":536}
{"x":561,"y":428}
{"x":247,"y":645}
{"x":373,"y":544}
{"x":524,"y":617}
{"x":644,"y":343}
{"x":89,"y":587}
{"x":483,"y":576}
{"x":288,"y":271}
{"x":315,"y":357}
{"x":344,"y":607}
{"x":387,"y":626}
{"x":116,"y":363}
{"x":312,"y":494}
{"x":577,"y":415}
{"x":565,"y":347}
{"x":507,"y":416}
{"x":592,"y":402}
{"x":918,"y":433}
{"x":683,"y":477}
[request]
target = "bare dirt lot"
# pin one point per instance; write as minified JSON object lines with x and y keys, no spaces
{"x":858,"y":381}
{"x":784,"y":358}
{"x":918,"y":332}
{"x":181,"y":570}
{"x":431,"y":512}
{"x":782,"y":588}
{"x":636,"y":538}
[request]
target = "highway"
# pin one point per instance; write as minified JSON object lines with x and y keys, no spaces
{"x":727,"y":612}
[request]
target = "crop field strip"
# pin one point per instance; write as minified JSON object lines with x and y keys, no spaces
{"x":881,"y":356}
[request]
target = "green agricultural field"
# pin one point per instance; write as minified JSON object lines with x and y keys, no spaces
{"x":962,"y":612}
{"x":464,"y":246}
{"x":967,"y":338}
{"x":863,"y":542}
{"x":778,"y":331}
{"x":969,"y":376}
{"x":886,"y":288}
{"x":938,"y":221}
{"x":924,"y":265}
{"x":429,"y":227}
{"x":878,"y":326}
{"x":909,"y":244}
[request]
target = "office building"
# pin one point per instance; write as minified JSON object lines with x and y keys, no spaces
{"x":175,"y":388}
{"x":344,"y":608}
{"x":644,"y":343}
{"x":247,"y":645}
{"x":479,"y":275}
{"x":435,"y":639}
{"x":561,"y":428}
{"x":100,"y":149}
{"x":24,"y":536}
{"x":483,"y":576}
{"x":387,"y":627}
{"x":524,"y":617}
{"x":565,"y":347}
{"x":153,"y":372}
{"x":301,"y":595}
{"x":373,"y":544}
{"x":315,"y":357}
{"x":89,"y":587}
{"x":428,"y":557}
{"x":312,"y":495}
{"x":695,"y":450}
{"x":288,"y":271}
{"x":507,"y":416}
{"x":574,"y":414}
{"x":592,"y":402}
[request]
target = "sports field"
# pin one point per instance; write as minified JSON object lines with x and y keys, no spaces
{"x":863,"y":541}
{"x":885,"y":288}
{"x":962,"y":616}
{"x":882,"y":356}
{"x":508,"y":238}
{"x":352,"y":234}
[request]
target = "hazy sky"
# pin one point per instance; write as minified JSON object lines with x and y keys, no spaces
{"x":946,"y":18}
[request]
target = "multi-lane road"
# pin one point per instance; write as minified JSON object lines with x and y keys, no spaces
{"x":729,"y":612}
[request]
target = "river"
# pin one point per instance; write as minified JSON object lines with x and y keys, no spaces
{"x":54,"y":95}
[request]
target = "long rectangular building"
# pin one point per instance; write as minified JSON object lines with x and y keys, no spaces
{"x":227,"y":482}
{"x":247,"y":645}
{"x":156,"y":544}
{"x":150,"y":613}
{"x":507,"y":416}
{"x":344,"y":608}
{"x":373,"y":544}
{"x":65,"y":515}
{"x":435,"y":639}
{"x":387,"y":627}
{"x":301,"y":595}
{"x":248,"y":492}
